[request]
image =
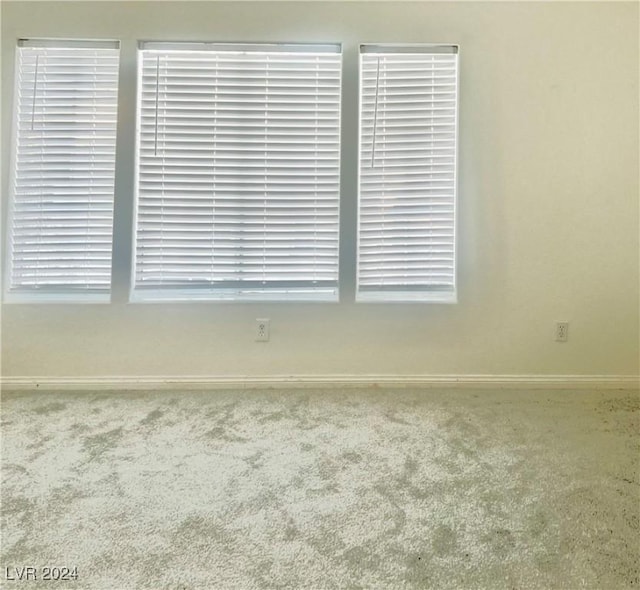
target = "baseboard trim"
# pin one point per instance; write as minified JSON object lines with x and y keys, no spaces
{"x":323,"y":381}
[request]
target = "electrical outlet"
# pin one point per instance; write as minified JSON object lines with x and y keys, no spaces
{"x":262,"y":330}
{"x":562,"y":331}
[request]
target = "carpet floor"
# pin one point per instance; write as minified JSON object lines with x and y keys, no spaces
{"x":380,"y":489}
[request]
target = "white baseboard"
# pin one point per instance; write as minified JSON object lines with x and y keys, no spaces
{"x":323,"y":381}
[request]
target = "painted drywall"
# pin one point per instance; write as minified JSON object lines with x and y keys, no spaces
{"x":548,"y":202}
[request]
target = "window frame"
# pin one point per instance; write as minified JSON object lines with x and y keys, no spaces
{"x":55,"y":294}
{"x":236,"y":294}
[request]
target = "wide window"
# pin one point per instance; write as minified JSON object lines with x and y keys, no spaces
{"x":407,"y":173}
{"x":237,"y":190}
{"x":62,"y":178}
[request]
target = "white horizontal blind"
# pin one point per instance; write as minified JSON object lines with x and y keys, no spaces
{"x":238,"y":172}
{"x":61,"y":211}
{"x":407,"y":173}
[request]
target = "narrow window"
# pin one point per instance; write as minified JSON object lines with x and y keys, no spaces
{"x":407,"y":173}
{"x":237,"y":192}
{"x":62,"y":183}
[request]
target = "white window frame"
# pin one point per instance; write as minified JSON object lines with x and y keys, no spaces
{"x":234,"y":292}
{"x":408,"y":293}
{"x":69,"y":292}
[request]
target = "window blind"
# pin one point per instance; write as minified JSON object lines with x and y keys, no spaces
{"x":407,"y":173}
{"x":238,"y":172}
{"x":62,"y":188}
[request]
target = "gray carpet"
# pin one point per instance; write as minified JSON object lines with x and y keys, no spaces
{"x":318,"y":489}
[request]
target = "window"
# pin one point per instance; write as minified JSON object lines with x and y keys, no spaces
{"x":237,"y":189}
{"x":237,"y":173}
{"x":407,"y":173}
{"x":62,"y":186}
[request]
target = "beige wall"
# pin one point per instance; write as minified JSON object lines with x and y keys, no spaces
{"x":548,"y":202}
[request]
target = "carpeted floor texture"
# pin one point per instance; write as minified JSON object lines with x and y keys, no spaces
{"x":393,"y":489}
